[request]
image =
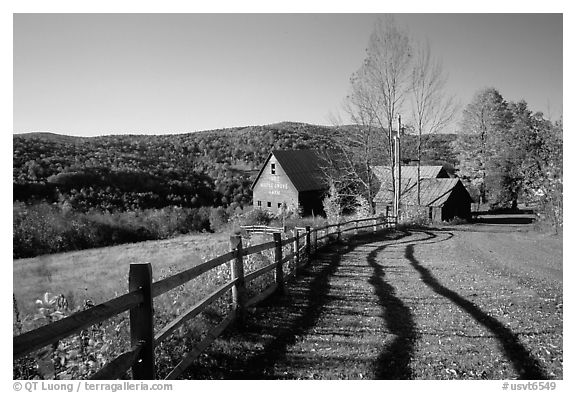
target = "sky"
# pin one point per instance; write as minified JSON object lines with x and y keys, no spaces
{"x":99,"y":74}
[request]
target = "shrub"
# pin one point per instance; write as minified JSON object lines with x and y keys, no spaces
{"x":414,"y":216}
{"x":255,"y":217}
{"x":218,"y":219}
{"x":43,"y":228}
{"x":332,"y":205}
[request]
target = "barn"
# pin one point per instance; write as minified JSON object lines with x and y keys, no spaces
{"x":291,"y":177}
{"x":444,"y":198}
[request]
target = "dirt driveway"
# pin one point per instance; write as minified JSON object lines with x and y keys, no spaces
{"x":479,"y":301}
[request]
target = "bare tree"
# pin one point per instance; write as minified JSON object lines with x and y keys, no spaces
{"x":349,"y":166}
{"x":431,"y":109}
{"x":379,"y":87}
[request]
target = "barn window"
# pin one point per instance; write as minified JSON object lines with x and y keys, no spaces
{"x":273,"y":168}
{"x":279,"y":205}
{"x":269,"y":204}
{"x":259,"y":203}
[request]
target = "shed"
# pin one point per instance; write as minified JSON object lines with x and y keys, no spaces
{"x":444,"y":198}
{"x":293,"y":177}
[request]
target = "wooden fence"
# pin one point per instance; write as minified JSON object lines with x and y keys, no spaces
{"x":139,"y":300}
{"x":262,"y":229}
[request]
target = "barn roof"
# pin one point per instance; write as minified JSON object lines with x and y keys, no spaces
{"x":433,"y":192}
{"x":303,"y":168}
{"x":411,"y":171}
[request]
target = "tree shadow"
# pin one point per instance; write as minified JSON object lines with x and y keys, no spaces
{"x":394,"y":361}
{"x":525,"y":364}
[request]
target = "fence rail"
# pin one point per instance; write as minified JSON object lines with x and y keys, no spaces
{"x":304,"y":242}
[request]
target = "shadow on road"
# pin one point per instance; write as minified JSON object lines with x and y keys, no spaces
{"x":281,"y":320}
{"x":525,"y":364}
{"x":505,"y":220}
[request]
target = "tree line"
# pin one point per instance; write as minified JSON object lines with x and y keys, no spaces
{"x":73,"y":193}
{"x":508,"y":153}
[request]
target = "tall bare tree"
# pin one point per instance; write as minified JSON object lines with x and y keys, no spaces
{"x":431,"y":109}
{"x":379,"y":87}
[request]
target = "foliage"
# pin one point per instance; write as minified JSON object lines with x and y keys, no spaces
{"x":130,"y":172}
{"x":413,"y":216}
{"x":332,"y":205}
{"x":73,"y":193}
{"x":255,"y":217}
{"x":485,"y":118}
{"x":218,"y":218}
{"x":363,"y":207}
{"x":511,"y":154}
{"x":42,"y":228}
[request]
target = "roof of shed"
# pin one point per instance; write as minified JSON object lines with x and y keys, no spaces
{"x":433,"y":192}
{"x":303,"y":168}
{"x":411,"y":171}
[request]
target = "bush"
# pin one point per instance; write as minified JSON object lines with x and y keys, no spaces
{"x":255,"y":217}
{"x":218,"y":219}
{"x":332,"y":205}
{"x":43,"y":228}
{"x":414,"y":216}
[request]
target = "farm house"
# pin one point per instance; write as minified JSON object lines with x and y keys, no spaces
{"x":293,"y":177}
{"x":443,"y":198}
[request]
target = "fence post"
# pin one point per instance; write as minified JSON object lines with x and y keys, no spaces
{"x":296,"y":252}
{"x":315,"y":240}
{"x":308,"y":245}
{"x":356,"y":227}
{"x":278,"y":260}
{"x":237,"y":273}
{"x":142,"y":320}
{"x":375,"y":225}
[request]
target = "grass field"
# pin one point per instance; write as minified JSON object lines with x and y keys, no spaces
{"x":102,"y":273}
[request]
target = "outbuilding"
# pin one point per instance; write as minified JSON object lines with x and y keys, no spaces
{"x":291,"y":177}
{"x":443,"y":198}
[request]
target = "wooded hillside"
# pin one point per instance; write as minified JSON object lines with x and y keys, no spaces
{"x":127,"y":172}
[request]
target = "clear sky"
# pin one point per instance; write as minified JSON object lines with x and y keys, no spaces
{"x":95,"y":74}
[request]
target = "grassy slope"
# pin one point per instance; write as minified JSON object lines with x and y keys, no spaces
{"x":102,"y":273}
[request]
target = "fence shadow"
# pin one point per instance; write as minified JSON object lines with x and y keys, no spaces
{"x":277,"y":323}
{"x":525,"y":364}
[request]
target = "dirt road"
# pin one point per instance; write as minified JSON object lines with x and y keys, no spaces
{"x":479,"y":301}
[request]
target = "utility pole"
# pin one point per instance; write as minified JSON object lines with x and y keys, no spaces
{"x":398,"y":169}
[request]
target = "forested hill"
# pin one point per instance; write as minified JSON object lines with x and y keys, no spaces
{"x":206,"y":168}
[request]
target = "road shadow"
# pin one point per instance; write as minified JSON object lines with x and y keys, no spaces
{"x":525,"y":364}
{"x":505,"y":220}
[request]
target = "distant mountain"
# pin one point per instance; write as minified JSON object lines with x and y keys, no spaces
{"x":49,"y":136}
{"x":123,"y":172}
